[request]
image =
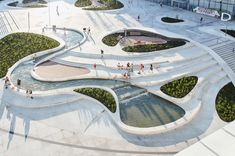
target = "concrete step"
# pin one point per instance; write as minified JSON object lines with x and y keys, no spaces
{"x":133,"y":94}
{"x":221,"y":44}
{"x":165,"y":78}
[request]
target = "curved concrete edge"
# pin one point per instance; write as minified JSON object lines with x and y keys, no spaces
{"x":189,"y":115}
{"x":74,"y":97}
{"x":90,"y":75}
{"x":66,"y":50}
{"x":151,"y":30}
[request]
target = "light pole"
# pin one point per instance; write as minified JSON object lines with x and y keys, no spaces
{"x":49,"y":14}
{"x":28,"y":21}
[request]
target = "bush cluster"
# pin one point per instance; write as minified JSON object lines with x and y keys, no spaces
{"x":181,"y":87}
{"x":225,"y":103}
{"x":101,"y":95}
{"x":112,"y":39}
{"x":83,"y":3}
{"x":19,"y":45}
{"x":171,"y":20}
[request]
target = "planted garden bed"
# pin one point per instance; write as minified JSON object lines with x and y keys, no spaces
{"x":112,"y":39}
{"x":83,"y":3}
{"x":181,"y":87}
{"x":19,"y":45}
{"x":171,"y":20}
{"x":229,"y":32}
{"x":108,"y":5}
{"x":225,"y":103}
{"x":154,"y":47}
{"x":101,"y":95}
{"x":140,"y":45}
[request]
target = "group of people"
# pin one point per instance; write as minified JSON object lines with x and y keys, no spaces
{"x":29,"y":92}
{"x":88,"y":30}
{"x":130,"y":69}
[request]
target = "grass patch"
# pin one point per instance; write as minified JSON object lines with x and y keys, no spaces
{"x":101,"y":95}
{"x":229,"y":32}
{"x":154,"y":47}
{"x":83,"y":3}
{"x":171,"y":20}
{"x":225,"y":103}
{"x":181,"y":87}
{"x":19,"y":45}
{"x":109,"y":5}
{"x":112,"y":39}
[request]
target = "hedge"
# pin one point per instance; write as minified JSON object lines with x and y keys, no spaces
{"x":154,"y":47}
{"x":171,"y":20}
{"x":181,"y":87}
{"x":19,"y":45}
{"x":225,"y":103}
{"x":101,"y":95}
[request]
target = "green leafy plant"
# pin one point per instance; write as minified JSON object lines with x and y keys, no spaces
{"x":101,"y":95}
{"x":19,"y":45}
{"x":112,"y":39}
{"x":225,"y":103}
{"x":181,"y":87}
{"x":83,"y":3}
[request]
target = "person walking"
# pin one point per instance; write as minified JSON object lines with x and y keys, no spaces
{"x":94,"y":66}
{"x":201,"y":19}
{"x":102,"y":53}
{"x":88,"y":31}
{"x":151,"y":68}
{"x":138,"y":18}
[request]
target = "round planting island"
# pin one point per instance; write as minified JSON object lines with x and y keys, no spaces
{"x":171,"y":20}
{"x":139,"y":41}
{"x":99,"y":5}
{"x":225,"y":103}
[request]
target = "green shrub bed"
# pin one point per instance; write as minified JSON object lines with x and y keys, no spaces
{"x":181,"y":87}
{"x":101,"y":95}
{"x":229,"y":32}
{"x":112,"y":39}
{"x":171,"y":20}
{"x":19,"y":45}
{"x":225,"y":103}
{"x":83,"y":3}
{"x":109,"y":5}
{"x":154,"y":47}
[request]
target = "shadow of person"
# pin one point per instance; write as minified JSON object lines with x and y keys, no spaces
{"x":11,"y":131}
{"x":26,"y":127}
{"x":2,"y":108}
